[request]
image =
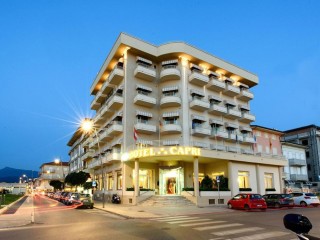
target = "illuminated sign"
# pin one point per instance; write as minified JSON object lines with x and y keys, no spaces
{"x":149,"y":152}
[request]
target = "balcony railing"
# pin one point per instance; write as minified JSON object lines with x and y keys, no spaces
{"x":297,"y":162}
{"x":145,"y":72}
{"x":233,"y":114}
{"x":171,"y":128}
{"x":231,"y":90}
{"x":170,"y":101}
{"x":147,"y":127}
{"x":216,"y":85}
{"x":198,"y":104}
{"x":170,"y":72}
{"x":299,"y":177}
{"x":144,"y":100}
{"x":198,"y":78}
{"x":201,"y":131}
{"x":116,"y":75}
{"x":247,"y":118}
{"x":245,"y":95}
{"x":218,"y":110}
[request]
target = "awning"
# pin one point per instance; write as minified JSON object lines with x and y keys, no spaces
{"x":194,"y":66}
{"x":145,"y":142}
{"x":170,"y":114}
{"x":308,"y":183}
{"x":290,"y":181}
{"x":230,"y":103}
{"x":171,"y":142}
{"x":245,"y":107}
{"x":140,"y":59}
{"x":231,"y":125}
{"x":245,"y":129}
{"x":242,"y":85}
{"x":142,"y":87}
{"x":170,"y":88}
{"x":200,"y":144}
{"x":229,"y":80}
{"x":216,"y":122}
{"x":196,"y":92}
{"x":170,"y":62}
{"x":145,"y":114}
{"x":198,"y":117}
{"x":215,"y":98}
{"x":213,"y":74}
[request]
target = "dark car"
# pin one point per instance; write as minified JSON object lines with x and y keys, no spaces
{"x":247,"y":201}
{"x":279,"y":200}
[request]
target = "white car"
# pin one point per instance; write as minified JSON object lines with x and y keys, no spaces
{"x":305,"y":199}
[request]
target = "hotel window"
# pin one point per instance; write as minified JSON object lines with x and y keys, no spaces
{"x":273,"y":137}
{"x":268,"y":180}
{"x":110,"y":181}
{"x":145,"y":178}
{"x":267,"y":149}
{"x":266,"y":135}
{"x":259,"y":148}
{"x":119,"y":181}
{"x":243,"y":179}
{"x":274,"y":151}
{"x":258,"y":133}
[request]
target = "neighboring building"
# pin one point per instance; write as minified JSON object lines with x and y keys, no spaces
{"x":295,"y":173}
{"x":51,"y":171}
{"x":308,"y":136}
{"x":166,"y":116}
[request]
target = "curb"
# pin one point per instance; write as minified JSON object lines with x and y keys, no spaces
{"x":114,"y":213}
{"x":7,"y":206}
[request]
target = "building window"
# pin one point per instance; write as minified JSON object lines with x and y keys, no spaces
{"x":258,"y":133}
{"x":274,"y":151}
{"x":243,"y":179}
{"x":266,"y":135}
{"x":119,"y":181}
{"x":259,"y":148}
{"x":267,"y":149}
{"x":309,"y":167}
{"x":307,"y":154}
{"x":110,"y":181}
{"x":268,"y":180}
{"x":145,"y":178}
{"x":273,"y":137}
{"x":305,"y":142}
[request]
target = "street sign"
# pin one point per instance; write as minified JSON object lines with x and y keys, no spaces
{"x":218,"y":179}
{"x":94,"y":183}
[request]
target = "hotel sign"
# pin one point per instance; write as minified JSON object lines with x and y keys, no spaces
{"x":161,"y":151}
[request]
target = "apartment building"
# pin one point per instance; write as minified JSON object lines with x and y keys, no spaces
{"x":308,"y":136}
{"x":51,"y":171}
{"x":166,"y":116}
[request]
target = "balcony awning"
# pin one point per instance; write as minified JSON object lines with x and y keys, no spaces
{"x":170,"y":114}
{"x":215,"y":98}
{"x":196,"y":92}
{"x":213,"y":74}
{"x":140,"y":59}
{"x":142,"y":113}
{"x":245,"y":129}
{"x":216,"y":122}
{"x":145,"y":142}
{"x":245,"y":107}
{"x":290,"y":181}
{"x":231,"y":125}
{"x":142,"y":87}
{"x":170,"y":62}
{"x":194,"y":66}
{"x":229,"y":80}
{"x":198,"y":117}
{"x":200,"y":144}
{"x":229,"y":102}
{"x":170,"y":88}
{"x":171,"y":142}
{"x":242,"y":85}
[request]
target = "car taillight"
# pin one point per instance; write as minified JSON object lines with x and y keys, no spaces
{"x":307,"y":197}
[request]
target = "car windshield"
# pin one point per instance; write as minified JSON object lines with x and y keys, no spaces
{"x":255,"y":196}
{"x":286,"y":196}
{"x":310,"y":194}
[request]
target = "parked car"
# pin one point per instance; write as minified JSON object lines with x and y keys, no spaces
{"x":247,"y":201}
{"x":305,"y":199}
{"x":81,"y":200}
{"x":279,"y":200}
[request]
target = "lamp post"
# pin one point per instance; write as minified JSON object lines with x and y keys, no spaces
{"x":87,"y":126}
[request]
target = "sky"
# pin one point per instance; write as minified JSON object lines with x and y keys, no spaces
{"x":50,"y":52}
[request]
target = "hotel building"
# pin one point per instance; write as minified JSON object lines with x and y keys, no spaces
{"x":166,"y":116}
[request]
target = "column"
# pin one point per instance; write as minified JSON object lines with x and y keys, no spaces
{"x":196,"y":176}
{"x":185,"y":103}
{"x":231,"y":180}
{"x":136,"y":172}
{"x":258,"y":180}
{"x":281,"y":185}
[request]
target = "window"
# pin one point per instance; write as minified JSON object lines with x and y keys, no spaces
{"x":266,"y":135}
{"x":267,"y":149}
{"x":268,"y":180}
{"x":145,"y":178}
{"x":110,"y":181}
{"x":305,"y":142}
{"x":259,"y":148}
{"x":243,"y":179}
{"x":309,"y":167}
{"x":273,"y":137}
{"x":119,"y":181}
{"x":258,"y":133}
{"x":274,"y":151}
{"x":307,"y":154}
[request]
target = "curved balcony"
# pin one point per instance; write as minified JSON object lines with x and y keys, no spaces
{"x":145,"y":72}
{"x":218,"y":110}
{"x":216,"y":85}
{"x":169,"y":73}
{"x":171,"y":128}
{"x":115,"y":129}
{"x":144,"y":100}
{"x":116,"y":75}
{"x":145,"y":127}
{"x":231,"y":90}
{"x":198,"y":78}
{"x":233,"y":114}
{"x":201,"y":131}
{"x":245,"y":95}
{"x":219,"y":134}
{"x":115,"y":102}
{"x":170,"y":101}
{"x":199,"y":105}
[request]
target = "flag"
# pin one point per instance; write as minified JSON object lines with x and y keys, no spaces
{"x":270,"y":144}
{"x":135,"y":134}
{"x":236,"y":137}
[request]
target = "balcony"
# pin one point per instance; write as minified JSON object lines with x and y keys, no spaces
{"x":171,"y":128}
{"x":220,"y":134}
{"x":233,"y":114}
{"x":247,"y":151}
{"x":144,"y":100}
{"x":147,"y":127}
{"x":247,"y":118}
{"x":297,"y":162}
{"x":198,"y":78}
{"x":103,"y":113}
{"x":95,"y":105}
{"x":94,"y":143}
{"x":200,"y":131}
{"x":245,"y":95}
{"x":200,"y":144}
{"x":95,"y":163}
{"x":112,"y":156}
{"x":145,"y":72}
{"x":218,"y":147}
{"x":116,"y":75}
{"x":170,"y":101}
{"x":199,"y":105}
{"x":233,"y":149}
{"x":169,"y":73}
{"x":87,"y":156}
{"x":116,"y":102}
{"x":100,"y":97}
{"x":115,"y":129}
{"x":106,"y":88}
{"x":235,"y":137}
{"x":248,"y":140}
{"x":216,"y":85}
{"x":299,"y":177}
{"x":218,"y":110}
{"x":105,"y":136}
{"x":231,"y":90}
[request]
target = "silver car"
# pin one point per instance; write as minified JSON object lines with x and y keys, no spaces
{"x":305,"y":199}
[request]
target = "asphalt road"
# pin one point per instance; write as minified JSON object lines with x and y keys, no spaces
{"x":56,"y":221}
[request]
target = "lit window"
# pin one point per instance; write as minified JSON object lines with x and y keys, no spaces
{"x":119,"y":181}
{"x":243,"y":179}
{"x":268,"y":180}
{"x":110,"y":181}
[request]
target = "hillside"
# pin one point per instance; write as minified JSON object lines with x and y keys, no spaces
{"x":11,"y":175}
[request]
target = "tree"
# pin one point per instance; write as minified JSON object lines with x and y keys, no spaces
{"x":206,"y":183}
{"x":76,"y":179}
{"x":56,"y":184}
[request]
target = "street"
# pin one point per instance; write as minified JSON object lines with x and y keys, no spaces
{"x":54,"y":220}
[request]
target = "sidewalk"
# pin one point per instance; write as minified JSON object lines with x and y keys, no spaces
{"x":22,"y":216}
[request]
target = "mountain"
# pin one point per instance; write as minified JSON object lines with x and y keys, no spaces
{"x":11,"y":175}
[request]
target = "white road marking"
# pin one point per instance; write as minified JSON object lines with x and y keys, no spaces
{"x":186,"y":221}
{"x":177,"y":219}
{"x":235,"y":231}
{"x":163,"y":218}
{"x":201,"y":223}
{"x":262,"y":236}
{"x":218,"y":226}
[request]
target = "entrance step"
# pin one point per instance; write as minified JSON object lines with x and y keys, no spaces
{"x":174,"y":201}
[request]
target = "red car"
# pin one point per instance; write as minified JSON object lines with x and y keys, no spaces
{"x":247,"y":201}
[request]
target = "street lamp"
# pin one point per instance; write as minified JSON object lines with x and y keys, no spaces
{"x":87,"y":126}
